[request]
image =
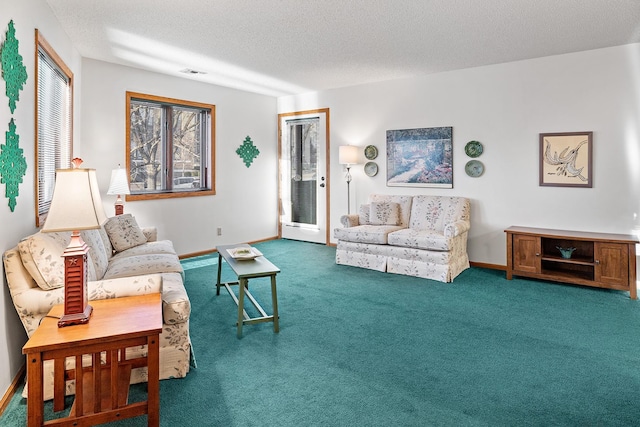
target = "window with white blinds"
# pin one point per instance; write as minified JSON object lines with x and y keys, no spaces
{"x":54,"y":106}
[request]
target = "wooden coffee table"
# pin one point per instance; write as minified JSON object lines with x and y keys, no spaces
{"x":101,"y":394}
{"x":245,"y":270}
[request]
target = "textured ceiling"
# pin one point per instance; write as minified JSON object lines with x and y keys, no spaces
{"x":282,"y":47}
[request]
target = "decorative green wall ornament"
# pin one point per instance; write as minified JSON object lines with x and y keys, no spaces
{"x":247,"y":151}
{"x":13,"y":70}
{"x":13,"y":165}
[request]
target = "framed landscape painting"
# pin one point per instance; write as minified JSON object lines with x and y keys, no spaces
{"x":420,"y":157}
{"x":565,"y":159}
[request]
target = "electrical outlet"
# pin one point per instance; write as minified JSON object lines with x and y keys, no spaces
{"x":219,"y":231}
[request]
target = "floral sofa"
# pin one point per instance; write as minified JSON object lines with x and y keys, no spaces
{"x":123,"y":260}
{"x":422,"y":236}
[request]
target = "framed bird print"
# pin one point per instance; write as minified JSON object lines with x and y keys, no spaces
{"x":565,"y":159}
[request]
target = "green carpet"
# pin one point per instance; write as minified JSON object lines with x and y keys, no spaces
{"x":363,"y":348}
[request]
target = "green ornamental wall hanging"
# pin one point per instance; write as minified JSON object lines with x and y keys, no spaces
{"x":13,"y":165}
{"x":13,"y":70}
{"x":247,"y":151}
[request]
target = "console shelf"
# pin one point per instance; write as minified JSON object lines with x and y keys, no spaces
{"x":599,"y":259}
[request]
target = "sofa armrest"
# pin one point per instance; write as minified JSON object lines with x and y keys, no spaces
{"x":350,"y":220}
{"x":151,"y":233}
{"x":456,"y":228}
{"x":124,"y":287}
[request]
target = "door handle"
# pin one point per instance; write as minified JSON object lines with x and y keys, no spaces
{"x":322,"y":185}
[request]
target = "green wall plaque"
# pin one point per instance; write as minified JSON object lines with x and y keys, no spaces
{"x":13,"y":165}
{"x":14,"y":72}
{"x":247,"y":151}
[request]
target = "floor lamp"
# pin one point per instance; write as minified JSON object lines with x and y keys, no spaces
{"x":75,"y":206}
{"x":348,"y":156}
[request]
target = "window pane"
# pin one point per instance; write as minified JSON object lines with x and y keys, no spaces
{"x":146,"y":147}
{"x":187,"y":140}
{"x":54,"y":123}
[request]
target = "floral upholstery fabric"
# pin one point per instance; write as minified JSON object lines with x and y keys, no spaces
{"x":125,"y":275}
{"x":351,"y":220}
{"x":176,"y":307}
{"x":99,"y":254}
{"x":422,"y":239}
{"x":42,"y":257}
{"x":433,"y":245}
{"x":143,"y":264}
{"x":361,"y":255}
{"x":363,"y":214}
{"x":404,"y":205}
{"x":435,"y":212}
{"x":159,"y":247}
{"x":124,"y":232}
{"x":376,"y":234}
{"x":384,"y":213}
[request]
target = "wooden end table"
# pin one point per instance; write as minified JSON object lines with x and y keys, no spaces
{"x":245,"y":270}
{"x":102,"y":392}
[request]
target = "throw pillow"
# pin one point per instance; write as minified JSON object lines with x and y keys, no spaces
{"x":41,"y":255}
{"x":363,"y":214}
{"x":124,"y":232}
{"x":384,"y":213}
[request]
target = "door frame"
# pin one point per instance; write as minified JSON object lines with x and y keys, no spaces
{"x":282,"y":116}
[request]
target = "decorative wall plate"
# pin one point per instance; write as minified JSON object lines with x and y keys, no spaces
{"x":370,"y":152}
{"x":474,"y":168}
{"x":371,"y":168}
{"x":473,"y":149}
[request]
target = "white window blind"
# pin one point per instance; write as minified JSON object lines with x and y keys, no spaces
{"x":54,"y":127}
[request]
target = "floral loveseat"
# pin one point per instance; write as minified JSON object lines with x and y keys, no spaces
{"x":123,"y":260}
{"x":422,"y":236}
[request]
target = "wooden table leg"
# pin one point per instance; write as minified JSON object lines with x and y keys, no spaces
{"x":35,"y":402}
{"x":274,"y":299}
{"x":153,"y":385}
{"x":59,"y":386}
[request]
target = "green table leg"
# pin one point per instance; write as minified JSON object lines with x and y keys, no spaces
{"x":274,"y":299}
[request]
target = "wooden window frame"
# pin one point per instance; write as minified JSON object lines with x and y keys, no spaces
{"x":168,"y":194}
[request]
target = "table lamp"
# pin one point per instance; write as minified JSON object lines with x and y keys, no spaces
{"x":348,"y":156}
{"x":119,"y":185}
{"x":76,"y":206}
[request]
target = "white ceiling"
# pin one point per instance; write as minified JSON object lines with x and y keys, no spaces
{"x":282,"y":47}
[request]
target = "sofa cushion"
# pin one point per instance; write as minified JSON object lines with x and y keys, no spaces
{"x":41,"y":255}
{"x":363,"y":214}
{"x":143,"y":264}
{"x":108,"y":248}
{"x":435,"y":212}
{"x":158,"y":247}
{"x":384,"y":213}
{"x":97,"y":250}
{"x":421,"y":239}
{"x":404,"y":205}
{"x":124,"y":232}
{"x":366,"y":233}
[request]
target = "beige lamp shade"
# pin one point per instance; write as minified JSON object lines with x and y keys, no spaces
{"x":119,"y":182}
{"x":348,"y":155}
{"x":76,"y":203}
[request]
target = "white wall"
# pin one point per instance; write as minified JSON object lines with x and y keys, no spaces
{"x":245,"y":205}
{"x":505,"y":107}
{"x":27,"y":15}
